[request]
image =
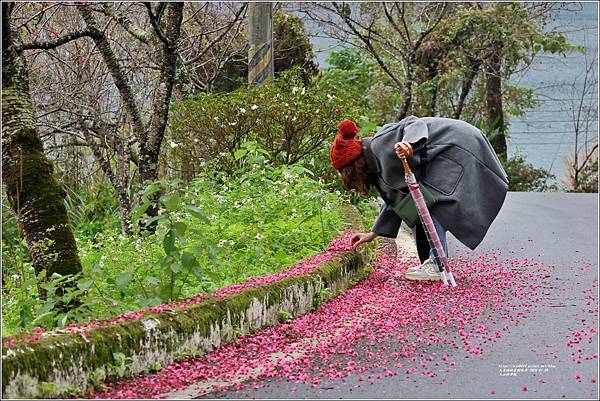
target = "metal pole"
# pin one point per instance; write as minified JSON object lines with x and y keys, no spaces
{"x":260,"y":38}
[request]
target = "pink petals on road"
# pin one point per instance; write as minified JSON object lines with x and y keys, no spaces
{"x":384,"y":326}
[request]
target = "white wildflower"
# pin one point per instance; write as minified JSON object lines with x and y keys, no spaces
{"x":259,"y":236}
{"x":216,"y":118}
{"x":242,"y":110}
{"x":254,"y":107}
{"x":222,"y":243}
{"x":15,"y":277}
{"x":294,"y":89}
{"x":303,"y":91}
{"x":173,"y":144}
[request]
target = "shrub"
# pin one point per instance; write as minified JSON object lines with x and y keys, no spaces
{"x":587,"y":177}
{"x":292,"y":47}
{"x":287,"y":119}
{"x":355,"y":74}
{"x":523,"y":176}
{"x":218,"y":230}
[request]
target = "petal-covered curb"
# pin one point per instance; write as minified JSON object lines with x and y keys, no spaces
{"x":384,"y":326}
{"x":68,"y":358}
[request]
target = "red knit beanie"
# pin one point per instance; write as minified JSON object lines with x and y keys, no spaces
{"x":345,"y":148}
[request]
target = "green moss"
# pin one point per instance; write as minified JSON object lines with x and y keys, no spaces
{"x":65,"y":351}
{"x":351,"y":216}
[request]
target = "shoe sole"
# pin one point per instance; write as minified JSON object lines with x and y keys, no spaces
{"x":417,"y":278}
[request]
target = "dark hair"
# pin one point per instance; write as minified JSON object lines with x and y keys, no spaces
{"x":356,"y":175}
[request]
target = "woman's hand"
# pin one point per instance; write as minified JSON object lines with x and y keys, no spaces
{"x":403,"y":149}
{"x":362,"y":238}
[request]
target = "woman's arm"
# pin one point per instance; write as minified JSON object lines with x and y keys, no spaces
{"x":387,"y":223}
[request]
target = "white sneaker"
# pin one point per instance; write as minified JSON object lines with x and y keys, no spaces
{"x":418,"y":267}
{"x":427,"y":271}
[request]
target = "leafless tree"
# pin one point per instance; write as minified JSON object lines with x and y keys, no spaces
{"x":584,"y":117}
{"x":110,"y":93}
{"x":386,"y":31}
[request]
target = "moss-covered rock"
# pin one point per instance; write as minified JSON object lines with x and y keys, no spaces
{"x":70,"y":360}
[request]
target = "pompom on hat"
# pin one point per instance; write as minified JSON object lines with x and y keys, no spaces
{"x":345,"y":148}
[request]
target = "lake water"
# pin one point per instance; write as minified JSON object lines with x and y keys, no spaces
{"x":545,"y":135}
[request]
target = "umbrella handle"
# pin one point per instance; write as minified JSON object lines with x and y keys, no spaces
{"x":407,"y":148}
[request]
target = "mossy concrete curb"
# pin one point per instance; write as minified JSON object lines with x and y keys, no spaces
{"x":72,"y":361}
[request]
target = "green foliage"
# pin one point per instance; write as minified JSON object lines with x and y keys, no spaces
{"x":96,"y":380}
{"x":120,"y":365}
{"x":285,"y":118}
{"x":15,"y":253}
{"x":218,"y":230}
{"x":156,"y":367}
{"x":321,"y":297}
{"x":292,"y":47}
{"x":51,"y":390}
{"x":291,"y":50}
{"x":351,"y":72}
{"x":354,"y":74}
{"x":522,"y":176}
{"x":284,"y":316}
{"x":93,"y":209}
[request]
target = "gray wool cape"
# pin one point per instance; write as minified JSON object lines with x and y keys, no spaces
{"x":462,"y":172}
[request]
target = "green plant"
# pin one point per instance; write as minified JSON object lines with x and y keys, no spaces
{"x":321,"y":297}
{"x":96,"y":379}
{"x":587,"y":177}
{"x":156,"y":367}
{"x":285,"y":118}
{"x":92,"y":209}
{"x":257,"y":220}
{"x":353,"y":73}
{"x":121,"y":363}
{"x":51,"y":390}
{"x":284,"y":316}
{"x":292,"y":47}
{"x":522,"y":176}
{"x":179,"y":261}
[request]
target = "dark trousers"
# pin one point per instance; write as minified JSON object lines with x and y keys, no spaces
{"x":422,"y":243}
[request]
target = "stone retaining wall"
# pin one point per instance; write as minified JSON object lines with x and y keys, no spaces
{"x":74,"y":361}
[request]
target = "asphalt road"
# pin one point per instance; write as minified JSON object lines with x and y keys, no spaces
{"x":560,"y":230}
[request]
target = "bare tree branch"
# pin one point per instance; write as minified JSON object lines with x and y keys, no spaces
{"x":116,"y":72}
{"x":135,"y":31}
{"x":53,"y":44}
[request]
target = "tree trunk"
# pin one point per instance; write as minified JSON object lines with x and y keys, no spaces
{"x":493,"y":97}
{"x":150,"y":145}
{"x":406,"y":103}
{"x":432,"y":72}
{"x":117,"y":181}
{"x":150,"y":137}
{"x":470,"y":75}
{"x":32,"y":190}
